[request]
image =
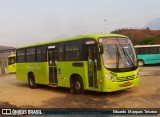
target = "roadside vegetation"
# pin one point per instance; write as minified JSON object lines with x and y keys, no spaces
{"x":141,"y":36}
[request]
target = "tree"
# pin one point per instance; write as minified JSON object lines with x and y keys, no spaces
{"x":148,"y":40}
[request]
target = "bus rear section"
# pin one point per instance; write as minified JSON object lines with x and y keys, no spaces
{"x":11,"y":63}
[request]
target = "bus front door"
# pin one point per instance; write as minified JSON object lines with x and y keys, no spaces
{"x":52,"y":57}
{"x":92,"y":65}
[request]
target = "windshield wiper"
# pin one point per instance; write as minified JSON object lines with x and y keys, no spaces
{"x":126,"y":54}
{"x":128,"y":57}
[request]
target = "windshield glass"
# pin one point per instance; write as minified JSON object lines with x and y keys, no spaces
{"x":11,"y":60}
{"x":118,"y":53}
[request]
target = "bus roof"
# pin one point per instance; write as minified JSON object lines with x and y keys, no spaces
{"x":95,"y":36}
{"x":141,"y":46}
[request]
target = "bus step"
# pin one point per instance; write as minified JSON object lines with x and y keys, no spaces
{"x":53,"y":85}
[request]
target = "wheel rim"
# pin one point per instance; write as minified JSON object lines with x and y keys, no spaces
{"x":140,"y":63}
{"x":31,"y":81}
{"x":77,"y":86}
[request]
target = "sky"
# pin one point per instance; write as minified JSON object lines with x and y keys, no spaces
{"x":24,"y":22}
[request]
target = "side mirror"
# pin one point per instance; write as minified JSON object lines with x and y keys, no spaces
{"x":101,"y":48}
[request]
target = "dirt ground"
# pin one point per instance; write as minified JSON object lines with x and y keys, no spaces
{"x":15,"y":93}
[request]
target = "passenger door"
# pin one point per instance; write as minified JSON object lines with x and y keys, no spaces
{"x":52,"y":60}
{"x":92,"y":65}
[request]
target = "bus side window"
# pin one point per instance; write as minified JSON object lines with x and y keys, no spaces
{"x":73,"y":51}
{"x":31,"y":54}
{"x":154,"y":50}
{"x":60,"y":53}
{"x":20,"y":55}
{"x":41,"y":53}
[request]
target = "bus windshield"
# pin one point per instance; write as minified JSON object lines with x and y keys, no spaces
{"x":118,"y":53}
{"x":11,"y":60}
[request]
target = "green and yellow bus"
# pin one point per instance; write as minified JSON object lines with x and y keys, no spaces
{"x":11,"y":63}
{"x":97,"y":62}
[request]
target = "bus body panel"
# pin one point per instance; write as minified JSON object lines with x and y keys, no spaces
{"x":12,"y":68}
{"x":122,"y":81}
{"x":150,"y":58}
{"x":11,"y":63}
{"x":39,"y":70}
{"x":66,"y":69}
{"x":110,"y":87}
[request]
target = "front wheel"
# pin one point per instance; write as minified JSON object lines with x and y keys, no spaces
{"x":31,"y":81}
{"x":141,"y":63}
{"x":76,"y":85}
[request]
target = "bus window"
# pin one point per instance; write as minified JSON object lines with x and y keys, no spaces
{"x":30,"y":54}
{"x":20,"y":55}
{"x":12,"y":63}
{"x":41,"y":54}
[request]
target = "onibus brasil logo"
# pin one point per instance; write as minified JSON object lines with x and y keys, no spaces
{"x":21,"y":112}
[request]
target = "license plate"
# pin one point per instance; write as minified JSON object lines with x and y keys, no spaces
{"x":127,"y":83}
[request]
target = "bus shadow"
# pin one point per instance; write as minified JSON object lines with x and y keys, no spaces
{"x":109,"y":94}
{"x":90,"y":99}
{"x":64,"y":90}
{"x":44,"y":88}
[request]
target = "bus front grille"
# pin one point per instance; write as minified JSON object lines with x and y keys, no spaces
{"x":121,"y":79}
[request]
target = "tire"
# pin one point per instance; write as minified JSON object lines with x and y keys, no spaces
{"x":76,"y":85}
{"x":31,"y":81}
{"x":141,"y":63}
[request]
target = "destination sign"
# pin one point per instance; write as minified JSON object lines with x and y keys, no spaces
{"x":114,"y":41}
{"x":90,"y":42}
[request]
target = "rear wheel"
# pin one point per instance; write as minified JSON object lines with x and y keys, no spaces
{"x":31,"y":81}
{"x":141,"y":63}
{"x":76,"y":85}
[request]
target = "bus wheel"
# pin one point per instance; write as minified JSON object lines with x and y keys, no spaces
{"x":78,"y":85}
{"x":31,"y":81}
{"x":141,"y":63}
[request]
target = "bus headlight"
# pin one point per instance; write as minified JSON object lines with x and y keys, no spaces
{"x":110,"y":77}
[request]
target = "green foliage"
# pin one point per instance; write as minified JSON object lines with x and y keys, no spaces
{"x":148,"y":40}
{"x":141,"y":36}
